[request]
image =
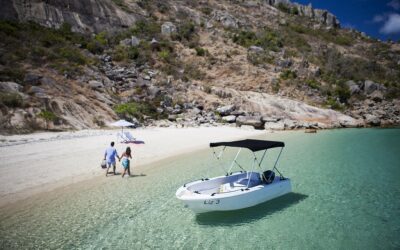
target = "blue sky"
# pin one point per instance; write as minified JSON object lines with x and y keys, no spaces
{"x":377,"y":18}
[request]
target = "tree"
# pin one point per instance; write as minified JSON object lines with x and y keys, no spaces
{"x":48,"y":116}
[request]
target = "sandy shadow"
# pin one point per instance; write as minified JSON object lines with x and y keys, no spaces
{"x":110,"y":173}
{"x":138,"y":175}
{"x":247,"y":215}
{"x":135,"y":142}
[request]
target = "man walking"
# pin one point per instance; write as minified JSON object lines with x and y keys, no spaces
{"x":109,"y":156}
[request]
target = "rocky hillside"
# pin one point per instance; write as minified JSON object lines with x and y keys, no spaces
{"x":268,"y":64}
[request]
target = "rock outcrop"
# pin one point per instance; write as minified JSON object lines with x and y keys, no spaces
{"x":82,"y":15}
{"x":322,"y":16}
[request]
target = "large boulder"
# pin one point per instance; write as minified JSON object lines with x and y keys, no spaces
{"x":254,"y":121}
{"x":229,"y":118}
{"x":370,"y":86}
{"x":126,"y":42}
{"x":238,"y":112}
{"x":37,"y":91}
{"x":32,"y":79}
{"x":10,"y":87}
{"x":274,"y":125}
{"x":372,"y":120}
{"x":93,"y":84}
{"x":168,"y":28}
{"x":290,"y":124}
{"x":377,"y":96}
{"x":353,"y":87}
{"x":348,"y":122}
{"x":269,"y":119}
{"x":172,"y":117}
{"x":255,"y":49}
{"x":225,"y":110}
{"x":226,"y":19}
{"x":135,"y":41}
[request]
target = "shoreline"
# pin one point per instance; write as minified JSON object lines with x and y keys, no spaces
{"x":42,"y":162}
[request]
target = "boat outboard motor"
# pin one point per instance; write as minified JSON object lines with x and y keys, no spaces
{"x":268,"y":176}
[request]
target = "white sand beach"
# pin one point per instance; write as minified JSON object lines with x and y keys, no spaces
{"x":35,"y":163}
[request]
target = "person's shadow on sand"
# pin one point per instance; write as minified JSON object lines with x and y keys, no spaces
{"x":247,"y":215}
{"x":137,"y":175}
{"x":112,"y":173}
{"x":138,"y":142}
{"x":132,"y":175}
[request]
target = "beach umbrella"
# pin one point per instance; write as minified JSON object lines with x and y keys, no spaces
{"x":122,"y":124}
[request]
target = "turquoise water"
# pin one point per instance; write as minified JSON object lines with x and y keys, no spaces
{"x":346,"y":191}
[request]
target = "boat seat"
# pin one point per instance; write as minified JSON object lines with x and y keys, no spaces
{"x":243,"y":182}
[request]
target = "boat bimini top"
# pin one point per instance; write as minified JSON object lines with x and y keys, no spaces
{"x":254,"y":146}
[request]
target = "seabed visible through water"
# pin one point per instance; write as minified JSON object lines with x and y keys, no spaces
{"x":346,"y":193}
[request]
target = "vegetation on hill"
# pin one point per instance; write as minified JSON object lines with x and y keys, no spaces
{"x":288,"y":54}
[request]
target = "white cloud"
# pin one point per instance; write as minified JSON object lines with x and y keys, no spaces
{"x":378,"y":18}
{"x":392,"y":25}
{"x":395,"y":4}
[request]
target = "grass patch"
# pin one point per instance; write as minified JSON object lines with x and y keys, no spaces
{"x":288,"y":75}
{"x":267,"y":39}
{"x":312,"y":83}
{"x":136,"y":110}
{"x":200,"y":51}
{"x":11,"y":100}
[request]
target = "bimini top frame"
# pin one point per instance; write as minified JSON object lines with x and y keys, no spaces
{"x":254,"y":146}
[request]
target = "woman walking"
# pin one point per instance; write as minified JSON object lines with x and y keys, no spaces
{"x":126,"y":162}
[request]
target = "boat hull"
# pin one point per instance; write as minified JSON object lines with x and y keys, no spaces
{"x":243,"y":198}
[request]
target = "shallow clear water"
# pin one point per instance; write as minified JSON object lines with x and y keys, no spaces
{"x":346,"y":195}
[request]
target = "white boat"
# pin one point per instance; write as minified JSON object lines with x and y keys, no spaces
{"x":236,"y":190}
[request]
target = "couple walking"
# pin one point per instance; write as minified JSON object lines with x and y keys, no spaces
{"x":110,"y":155}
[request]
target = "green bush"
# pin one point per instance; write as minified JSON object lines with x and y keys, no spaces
{"x":186,"y":32}
{"x":12,"y":73}
{"x":133,"y":53}
{"x":259,"y":58}
{"x":192,"y":71}
{"x":8,"y":28}
{"x":200,"y":51}
{"x":342,"y":92}
{"x":245,"y":38}
{"x":276,"y":87}
{"x":120,"y":53}
{"x":343,"y":40}
{"x":164,"y":55}
{"x":146,"y":29}
{"x":12,"y":100}
{"x":136,"y":109}
{"x":299,"y":28}
{"x":283,"y":7}
{"x":48,"y":116}
{"x":49,"y":39}
{"x":294,"y":11}
{"x":267,"y":39}
{"x":72,"y":55}
{"x":332,"y":103}
{"x":288,"y":74}
{"x":101,"y":38}
{"x":312,"y":83}
{"x":95,"y":47}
